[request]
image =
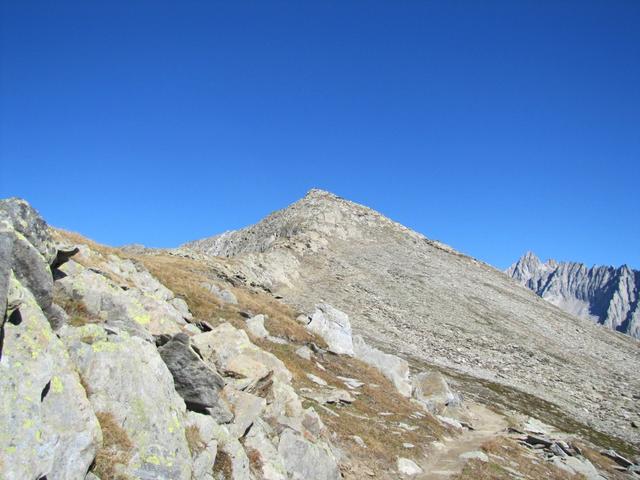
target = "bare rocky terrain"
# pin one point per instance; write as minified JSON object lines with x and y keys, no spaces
{"x":605,"y":295}
{"x":325,"y":343}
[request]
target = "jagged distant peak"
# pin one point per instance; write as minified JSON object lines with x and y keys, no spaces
{"x":604,"y":294}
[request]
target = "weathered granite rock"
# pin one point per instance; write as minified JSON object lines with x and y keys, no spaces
{"x":198,"y":383}
{"x":232,"y":449}
{"x":432,"y":390}
{"x":140,"y":314}
{"x":408,"y":467}
{"x":475,"y":455}
{"x":230,"y":350}
{"x":30,"y":225}
{"x":259,"y":442}
{"x":304,"y":460}
{"x":222,"y":294}
{"x":394,"y":368}
{"x":246,"y":407}
{"x":47,"y":425}
{"x":142,"y":400}
{"x":255,"y":325}
{"x":253,"y":370}
{"x":304,"y":352}
{"x":203,"y":455}
{"x":333,"y":327}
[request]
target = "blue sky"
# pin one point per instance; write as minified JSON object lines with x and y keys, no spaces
{"x":496,"y":126}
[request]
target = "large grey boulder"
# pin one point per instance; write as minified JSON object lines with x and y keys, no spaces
{"x":432,"y":390}
{"x":47,"y":425}
{"x":332,"y":326}
{"x":394,"y":368}
{"x":304,"y":459}
{"x":247,"y":408}
{"x":127,"y":380}
{"x":233,"y":353}
{"x":198,"y":383}
{"x":256,"y":327}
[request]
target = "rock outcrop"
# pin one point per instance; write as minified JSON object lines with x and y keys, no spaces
{"x":124,"y":384}
{"x":605,"y":295}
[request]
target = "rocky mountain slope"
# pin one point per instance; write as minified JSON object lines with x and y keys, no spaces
{"x":411,"y":295}
{"x":605,"y":295}
{"x":134,"y":363}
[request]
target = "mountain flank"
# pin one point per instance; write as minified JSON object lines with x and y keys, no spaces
{"x":421,"y":298}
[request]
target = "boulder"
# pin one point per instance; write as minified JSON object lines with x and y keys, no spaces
{"x":475,"y":455}
{"x":231,"y":351}
{"x":222,"y":294}
{"x":28,"y":223}
{"x":47,"y":426}
{"x":256,"y":328}
{"x":333,"y":327}
{"x":304,"y":352}
{"x":408,"y":467}
{"x":181,"y":306}
{"x":394,"y":368}
{"x":129,"y":384}
{"x":305,"y":460}
{"x":197,"y":383}
{"x":246,"y":410}
{"x":433,"y":392}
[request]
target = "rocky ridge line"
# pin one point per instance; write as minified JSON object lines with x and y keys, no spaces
{"x":605,"y":295}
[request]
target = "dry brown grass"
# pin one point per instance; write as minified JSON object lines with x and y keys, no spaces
{"x":222,"y":468}
{"x":75,"y":238}
{"x":255,"y":460}
{"x":194,"y":439}
{"x":116,"y":448}
{"x":512,"y":456}
{"x":361,"y":418}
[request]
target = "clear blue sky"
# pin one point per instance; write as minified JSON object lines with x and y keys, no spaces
{"x":496,"y":126}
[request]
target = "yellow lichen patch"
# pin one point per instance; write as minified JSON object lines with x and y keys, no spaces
{"x":174,"y":425}
{"x":56,"y":385}
{"x":153,"y":459}
{"x":142,"y":319}
{"x":104,"y":346}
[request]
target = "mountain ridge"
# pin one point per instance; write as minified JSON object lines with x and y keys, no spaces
{"x":603,"y":294}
